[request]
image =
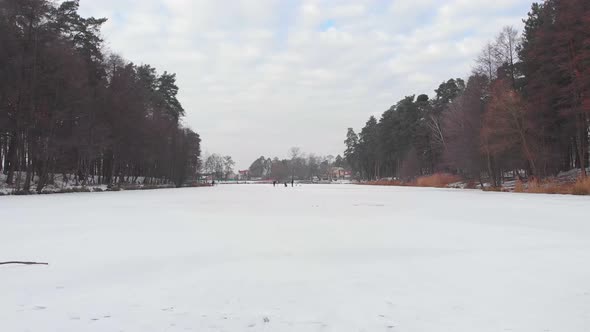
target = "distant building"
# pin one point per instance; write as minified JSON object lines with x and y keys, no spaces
{"x":243,"y":175}
{"x":339,"y":173}
{"x":206,"y":177}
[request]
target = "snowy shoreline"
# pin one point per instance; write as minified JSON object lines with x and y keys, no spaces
{"x":61,"y":186}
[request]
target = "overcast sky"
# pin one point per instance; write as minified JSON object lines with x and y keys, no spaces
{"x":260,"y":76}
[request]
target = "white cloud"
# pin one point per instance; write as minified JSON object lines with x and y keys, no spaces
{"x":260,"y":76}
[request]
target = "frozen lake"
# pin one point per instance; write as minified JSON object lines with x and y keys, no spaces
{"x":310,"y":258}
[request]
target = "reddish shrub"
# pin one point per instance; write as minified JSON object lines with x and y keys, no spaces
{"x":581,"y":187}
{"x":549,"y":186}
{"x":519,"y":187}
{"x":438,"y":180}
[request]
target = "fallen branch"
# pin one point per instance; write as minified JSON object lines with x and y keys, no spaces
{"x":23,"y":263}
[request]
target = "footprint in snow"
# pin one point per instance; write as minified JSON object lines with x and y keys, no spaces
{"x":39,"y":307}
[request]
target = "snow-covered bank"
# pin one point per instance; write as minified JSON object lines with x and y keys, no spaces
{"x":309,"y":258}
{"x":61,"y":185}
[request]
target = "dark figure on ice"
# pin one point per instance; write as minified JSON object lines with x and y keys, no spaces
{"x":274,"y":183}
{"x":292,"y":183}
{"x":286,"y":184}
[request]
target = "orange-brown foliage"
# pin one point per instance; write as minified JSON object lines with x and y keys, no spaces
{"x":438,"y":180}
{"x":535,"y":187}
{"x":519,"y":187}
{"x":550,"y":186}
{"x":581,"y":187}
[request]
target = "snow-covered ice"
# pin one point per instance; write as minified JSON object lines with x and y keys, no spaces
{"x":309,"y":258}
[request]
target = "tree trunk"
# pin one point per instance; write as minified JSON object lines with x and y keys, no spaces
{"x":27,"y":185}
{"x":11,"y":159}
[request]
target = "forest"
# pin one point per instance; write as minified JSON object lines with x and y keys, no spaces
{"x":299,"y":166}
{"x":523,"y":111}
{"x":70,"y":109}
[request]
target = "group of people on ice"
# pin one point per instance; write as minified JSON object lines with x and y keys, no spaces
{"x":275,"y":183}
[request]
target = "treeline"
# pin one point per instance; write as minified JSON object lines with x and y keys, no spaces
{"x":68,"y":108}
{"x":524,"y":110}
{"x":299,"y":166}
{"x":219,"y":167}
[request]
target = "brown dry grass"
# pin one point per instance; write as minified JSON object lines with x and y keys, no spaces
{"x":385,"y":183}
{"x":547,"y":186}
{"x":581,"y":187}
{"x":536,"y":187}
{"x":519,"y":187}
{"x":554,"y":187}
{"x":438,"y":180}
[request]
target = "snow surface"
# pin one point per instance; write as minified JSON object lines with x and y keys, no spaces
{"x":309,"y":258}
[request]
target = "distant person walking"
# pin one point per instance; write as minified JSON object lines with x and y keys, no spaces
{"x":274,"y":183}
{"x":292,"y":182}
